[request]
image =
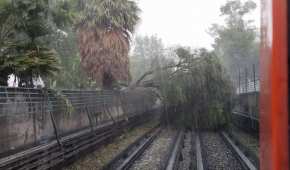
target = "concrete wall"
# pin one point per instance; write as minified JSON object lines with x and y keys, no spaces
{"x":25,"y":114}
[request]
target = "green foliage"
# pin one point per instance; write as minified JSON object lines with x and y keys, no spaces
{"x":63,"y":12}
{"x":104,"y":29}
{"x":36,"y":25}
{"x":25,"y":27}
{"x":197,"y":91}
{"x":32,"y":59}
{"x":71,"y":76}
{"x":148,"y":54}
{"x":110,"y":14}
{"x":236,"y":42}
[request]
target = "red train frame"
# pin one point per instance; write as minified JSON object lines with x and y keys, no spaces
{"x":274,"y":86}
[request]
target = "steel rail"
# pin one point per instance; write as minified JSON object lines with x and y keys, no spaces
{"x":199,"y":160}
{"x":243,"y":114}
{"x":246,"y":163}
{"x":113,"y":163}
{"x":254,"y":158}
{"x":141,"y":145}
{"x":173,"y":160}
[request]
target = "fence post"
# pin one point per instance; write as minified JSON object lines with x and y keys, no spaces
{"x":32,"y":111}
{"x":52,"y":118}
{"x":90,"y":118}
{"x":239,"y":81}
{"x":254,"y":93}
{"x":55,"y":128}
{"x":246,"y":80}
{"x":254,"y":75}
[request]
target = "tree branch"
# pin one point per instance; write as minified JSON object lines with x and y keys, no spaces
{"x":152,"y":71}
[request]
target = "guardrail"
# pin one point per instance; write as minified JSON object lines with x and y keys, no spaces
{"x":246,"y":122}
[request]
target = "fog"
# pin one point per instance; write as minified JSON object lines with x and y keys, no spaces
{"x":183,"y":22}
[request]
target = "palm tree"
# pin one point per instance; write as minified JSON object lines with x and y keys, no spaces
{"x":24,"y":26}
{"x":7,"y":32}
{"x":104,"y":30}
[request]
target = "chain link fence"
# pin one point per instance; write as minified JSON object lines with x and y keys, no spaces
{"x":36,"y":116}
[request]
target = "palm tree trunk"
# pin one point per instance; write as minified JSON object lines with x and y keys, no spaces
{"x":3,"y":79}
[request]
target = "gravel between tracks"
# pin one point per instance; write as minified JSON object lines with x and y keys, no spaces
{"x":155,"y":155}
{"x":97,"y":159}
{"x":186,"y":152}
{"x":248,"y":140}
{"x":193,"y":151}
{"x":216,"y":154}
{"x":248,"y":143}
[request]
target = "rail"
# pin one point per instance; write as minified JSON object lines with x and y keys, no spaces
{"x":173,"y":160}
{"x":246,"y":122}
{"x":133,"y":152}
{"x":246,"y":163}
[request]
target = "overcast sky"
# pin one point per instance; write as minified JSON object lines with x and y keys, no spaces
{"x":183,"y":22}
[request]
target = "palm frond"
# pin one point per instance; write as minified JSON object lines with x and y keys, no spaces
{"x":104,"y":34}
{"x":111,"y":14}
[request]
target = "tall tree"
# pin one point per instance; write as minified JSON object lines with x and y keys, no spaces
{"x":7,"y":32}
{"x":64,"y":12}
{"x":147,"y":55}
{"x":104,"y":30}
{"x":71,"y":75}
{"x":24,"y":52}
{"x":236,"y":42}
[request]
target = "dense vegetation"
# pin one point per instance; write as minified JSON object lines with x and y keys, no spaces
{"x":237,"y":41}
{"x":24,"y":49}
{"x":196,"y":85}
{"x":195,"y":90}
{"x":148,"y":54}
{"x":198,"y":91}
{"x":85,"y":44}
{"x":104,"y":30}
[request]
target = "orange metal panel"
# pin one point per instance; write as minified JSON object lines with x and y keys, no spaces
{"x":274,"y":86}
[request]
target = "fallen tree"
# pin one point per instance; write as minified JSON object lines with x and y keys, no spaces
{"x":195,"y":92}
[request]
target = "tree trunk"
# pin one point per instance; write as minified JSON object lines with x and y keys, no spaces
{"x":3,"y":79}
{"x":26,"y":81}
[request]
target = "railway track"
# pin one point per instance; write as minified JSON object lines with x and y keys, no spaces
{"x":157,"y":149}
{"x":160,"y":149}
{"x":209,"y":151}
{"x":56,"y":154}
{"x":248,"y":143}
{"x":162,"y":153}
{"x":176,"y":154}
{"x":127,"y":157}
{"x":182,"y":150}
{"x":218,"y":151}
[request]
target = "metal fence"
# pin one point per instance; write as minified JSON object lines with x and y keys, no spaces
{"x":33,"y":116}
{"x":248,"y":81}
{"x":249,"y":86}
{"x":246,"y":102}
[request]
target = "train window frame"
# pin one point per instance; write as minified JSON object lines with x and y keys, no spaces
{"x":274,"y":86}
{"x":288,"y":31}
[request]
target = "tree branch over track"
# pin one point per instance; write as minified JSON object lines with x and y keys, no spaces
{"x":153,"y":71}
